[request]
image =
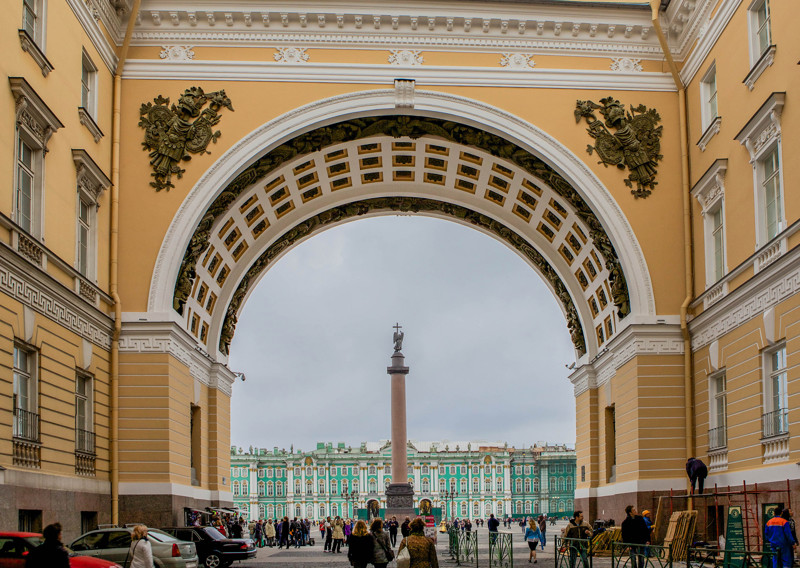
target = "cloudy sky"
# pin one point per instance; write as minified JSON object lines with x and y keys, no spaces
{"x":485,"y":340}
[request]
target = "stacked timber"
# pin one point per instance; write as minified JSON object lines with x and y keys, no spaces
{"x":601,"y":543}
{"x":680,"y":533}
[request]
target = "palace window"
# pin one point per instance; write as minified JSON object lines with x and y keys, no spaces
{"x":30,"y":18}
{"x":475,"y":485}
{"x":297,"y":472}
{"x":553,"y":484}
{"x":770,"y":178}
{"x":476,"y":509}
{"x":355,"y":485}
{"x":452,"y":484}
{"x":27,"y":180}
{"x":26,"y":417}
{"x":452,"y":470}
{"x":387,"y":469}
{"x":322,"y":511}
{"x":536,"y":506}
{"x":309,"y":471}
{"x":717,"y":416}
{"x":334,"y":487}
{"x":270,"y":511}
{"x":373,"y":486}
{"x":442,"y":470}
{"x":488,"y":509}
{"x":245,"y":488}
{"x":320,"y":470}
{"x":84,"y":414}
{"x":463,"y":470}
{"x":309,"y":487}
{"x":517,"y":470}
{"x":89,"y":86}
{"x":261,"y":511}
{"x":334,"y":471}
{"x":334,"y":510}
{"x":708,"y":92}
{"x":321,"y":487}
{"x":310,"y":511}
{"x":536,"y":485}
{"x":235,"y":488}
{"x":463,"y":486}
{"x":569,"y":483}
{"x":527,"y":485}
{"x":518,"y":485}
{"x":270,"y":489}
{"x":499,"y":508}
{"x":260,"y":472}
{"x":463,"y":509}
{"x":261,"y":489}
{"x":269,"y":472}
{"x":499,"y":484}
{"x":528,"y":507}
{"x":279,"y":489}
{"x":372,"y":470}
{"x":297,"y":486}
{"x":344,"y":485}
{"x":410,"y":470}
{"x":426,"y":486}
{"x":775,"y":420}
{"x":487,"y":470}
{"x":425,"y":470}
{"x":442,"y":485}
{"x":760,"y":29}
{"x":298,"y":511}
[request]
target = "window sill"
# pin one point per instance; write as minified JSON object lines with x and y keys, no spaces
{"x":29,"y":46}
{"x":87,"y":120}
{"x":775,"y":448}
{"x":767,"y":58}
{"x":710,"y":132}
{"x":718,"y":459}
{"x":715,"y":293}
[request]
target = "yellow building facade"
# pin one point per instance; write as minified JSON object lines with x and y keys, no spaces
{"x":161,"y":156}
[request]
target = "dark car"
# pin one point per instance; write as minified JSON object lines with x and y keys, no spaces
{"x":213,"y":548}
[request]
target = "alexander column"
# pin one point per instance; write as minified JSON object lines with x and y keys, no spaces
{"x":399,"y":494}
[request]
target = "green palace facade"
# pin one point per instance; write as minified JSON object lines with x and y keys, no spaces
{"x":450,"y":479}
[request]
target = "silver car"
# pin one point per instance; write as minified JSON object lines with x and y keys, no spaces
{"x":114,"y":543}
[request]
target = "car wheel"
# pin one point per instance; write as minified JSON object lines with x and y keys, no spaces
{"x":214,"y":561}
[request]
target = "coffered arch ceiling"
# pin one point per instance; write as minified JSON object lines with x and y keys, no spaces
{"x":387,"y":164}
{"x":405,"y":165}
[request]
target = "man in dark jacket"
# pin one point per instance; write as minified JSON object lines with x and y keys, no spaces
{"x":636,"y":533}
{"x":405,"y":529}
{"x":697,"y":472}
{"x":577,"y":529}
{"x":51,"y":553}
{"x":492,"y":524}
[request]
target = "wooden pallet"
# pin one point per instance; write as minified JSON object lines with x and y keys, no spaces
{"x":680,"y":533}
{"x":601,"y":544}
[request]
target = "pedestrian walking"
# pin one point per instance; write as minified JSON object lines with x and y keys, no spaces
{"x":533,"y":535}
{"x":360,"y":546}
{"x":636,"y":533}
{"x":337,"y":534}
{"x":140,"y":553}
{"x":393,"y":526}
{"x":543,"y":530}
{"x":51,"y":553}
{"x":382,"y":549}
{"x":348,"y":530}
{"x":421,"y":549}
{"x":328,"y":535}
{"x":269,"y":532}
{"x":285,"y":531}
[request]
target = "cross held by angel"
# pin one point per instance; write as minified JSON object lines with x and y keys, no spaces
{"x":398,"y":337}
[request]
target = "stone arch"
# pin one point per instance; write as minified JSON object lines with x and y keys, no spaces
{"x":469,"y":162}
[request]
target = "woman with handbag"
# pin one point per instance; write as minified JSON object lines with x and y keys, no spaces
{"x":140,"y":553}
{"x":417,"y":550}
{"x":532,"y":536}
{"x":360,"y":546}
{"x":382,"y":549}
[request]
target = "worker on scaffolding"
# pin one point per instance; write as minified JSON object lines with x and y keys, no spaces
{"x":779,"y":534}
{"x":697,"y":472}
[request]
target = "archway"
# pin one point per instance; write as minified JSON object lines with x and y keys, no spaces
{"x":423,"y":161}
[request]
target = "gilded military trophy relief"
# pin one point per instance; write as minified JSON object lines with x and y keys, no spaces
{"x":635,"y":142}
{"x":173,"y":131}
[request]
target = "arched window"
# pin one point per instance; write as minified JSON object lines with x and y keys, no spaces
{"x":518,"y":486}
{"x":333,"y":471}
{"x":499,"y":484}
{"x":309,"y":471}
{"x":297,"y":472}
{"x":322,"y":511}
{"x":310,"y":511}
{"x":355,"y":485}
{"x":320,"y":471}
{"x":426,"y":486}
{"x":387,"y":469}
{"x":269,"y":472}
{"x":562,"y":484}
{"x":561,"y":505}
{"x":344,"y":485}
{"x":452,"y":484}
{"x":487,"y":470}
{"x":442,"y":485}
{"x":280,"y":511}
{"x":386,"y":482}
{"x":334,"y":510}
{"x":245,"y":488}
{"x":321,"y":487}
{"x":298,"y":511}
{"x":261,"y":511}
{"x":528,"y":507}
{"x":536,"y":506}
{"x":476,"y":509}
{"x":517,"y":470}
{"x":334,"y":487}
{"x":463,"y":509}
{"x":569,"y":484}
{"x":270,"y":511}
{"x":552,"y":484}
{"x":442,"y":470}
{"x":297,"y":488}
{"x":260,"y":473}
{"x":372,"y":470}
{"x":488,"y":509}
{"x":499,"y":508}
{"x":463,"y":486}
{"x":270,"y":489}
{"x":309,"y":487}
{"x":452,"y":470}
{"x":261,"y":489}
{"x":410,"y":470}
{"x":536,"y":485}
{"x":279,"y":489}
{"x":373,"y":486}
{"x":235,"y":488}
{"x":518,"y":507}
{"x":476,"y":484}
{"x":425,"y":470}
{"x":475,"y":470}
{"x":527,"y":486}
{"x":411,"y":482}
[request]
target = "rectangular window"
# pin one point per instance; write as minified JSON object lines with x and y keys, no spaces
{"x":776,"y":417}
{"x":717,"y":437}
{"x":718,"y":243}
{"x":763,"y":35}
{"x":30,"y":520}
{"x":708,"y":92}
{"x":26,"y":418}
{"x":771,"y":186}
{"x":25,"y":185}
{"x":88,"y":85}
{"x":84,"y":415}
{"x":29,"y":18}
{"x":84,"y":234}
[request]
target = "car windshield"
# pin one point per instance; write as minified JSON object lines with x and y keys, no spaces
{"x":161,"y":536}
{"x":214,"y":533}
{"x":34,"y":541}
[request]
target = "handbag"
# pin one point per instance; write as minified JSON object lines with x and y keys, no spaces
{"x":389,"y":552}
{"x":404,"y":559}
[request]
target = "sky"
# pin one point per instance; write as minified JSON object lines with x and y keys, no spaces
{"x":486,"y":342}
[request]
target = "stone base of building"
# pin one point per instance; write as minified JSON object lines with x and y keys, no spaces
{"x":34,"y":500}
{"x":399,"y":500}
{"x":162,"y":510}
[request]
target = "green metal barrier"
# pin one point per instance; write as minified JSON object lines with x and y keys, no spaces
{"x":452,"y":548}
{"x":501,"y":550}
{"x":640,"y":556}
{"x":715,"y":558}
{"x":467,"y":548}
{"x":573,"y":553}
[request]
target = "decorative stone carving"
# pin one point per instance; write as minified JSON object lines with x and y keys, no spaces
{"x":766,"y":60}
{"x":401,"y":205}
{"x":711,"y":131}
{"x":405,"y":57}
{"x":635,"y":143}
{"x":398,"y":126}
{"x":86,"y":119}
{"x":517,"y":60}
{"x":32,"y":113}
{"x":626,"y":65}
{"x":170,"y":133}
{"x":291,"y":55}
{"x":29,"y":46}
{"x":91,"y":179}
{"x":29,"y":249}
{"x":177,"y":52}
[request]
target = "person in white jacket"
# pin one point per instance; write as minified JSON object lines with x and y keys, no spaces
{"x":141,"y":553}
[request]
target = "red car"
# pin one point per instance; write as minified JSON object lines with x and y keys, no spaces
{"x":15,"y":547}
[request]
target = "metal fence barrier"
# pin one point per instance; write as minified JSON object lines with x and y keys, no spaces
{"x":573,"y":553}
{"x":640,"y":556}
{"x":712,"y":558}
{"x":501,"y":549}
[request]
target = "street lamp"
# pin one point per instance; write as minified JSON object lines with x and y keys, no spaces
{"x":448,"y":497}
{"x":349,"y":497}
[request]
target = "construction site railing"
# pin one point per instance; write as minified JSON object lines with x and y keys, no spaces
{"x":625,"y":555}
{"x":713,"y":557}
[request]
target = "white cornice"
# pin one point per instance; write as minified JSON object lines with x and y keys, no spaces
{"x":372,"y":74}
{"x":96,"y":36}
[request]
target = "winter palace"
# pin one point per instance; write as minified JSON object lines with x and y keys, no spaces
{"x":457,"y":479}
{"x":160,"y":156}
